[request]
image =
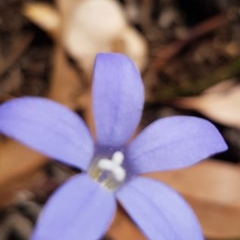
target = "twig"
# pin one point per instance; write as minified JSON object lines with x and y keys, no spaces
{"x":196,"y":87}
{"x":18,"y":48}
{"x":167,"y":53}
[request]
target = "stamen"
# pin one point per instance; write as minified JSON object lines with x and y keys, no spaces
{"x":94,"y":171}
{"x":109,"y":172}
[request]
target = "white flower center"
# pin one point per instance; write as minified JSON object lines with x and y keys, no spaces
{"x":114,"y":166}
{"x":109,"y":172}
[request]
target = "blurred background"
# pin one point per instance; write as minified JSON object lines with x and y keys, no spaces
{"x":188,"y":52}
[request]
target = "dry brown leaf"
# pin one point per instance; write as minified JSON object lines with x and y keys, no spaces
{"x":94,"y":26}
{"x":20,"y":187}
{"x":220,"y":103}
{"x":123,"y":228}
{"x":45,"y":16}
{"x":66,"y":7}
{"x":91,"y":28}
{"x":65,"y":86}
{"x":16,"y":161}
{"x":212,"y":189}
{"x":88,"y":27}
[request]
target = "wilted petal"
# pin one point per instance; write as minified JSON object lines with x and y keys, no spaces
{"x":117,"y":99}
{"x":80,"y":209}
{"x":159,"y":211}
{"x":49,"y":128}
{"x":171,"y":143}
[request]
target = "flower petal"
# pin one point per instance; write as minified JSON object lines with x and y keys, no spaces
{"x":117,"y":99}
{"x":159,"y":211}
{"x":80,"y":209}
{"x":171,"y":143}
{"x":49,"y":128}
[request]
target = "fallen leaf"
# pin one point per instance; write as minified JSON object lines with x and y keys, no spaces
{"x":65,"y":85}
{"x":88,"y":27}
{"x":16,"y":161}
{"x":45,"y":16}
{"x":123,"y":228}
{"x":220,"y":103}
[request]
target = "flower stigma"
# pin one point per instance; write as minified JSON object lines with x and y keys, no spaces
{"x":109,"y":172}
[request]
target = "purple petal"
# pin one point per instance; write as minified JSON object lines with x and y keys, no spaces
{"x":117,"y":99}
{"x":171,"y":143}
{"x":49,"y":128}
{"x":159,"y":211}
{"x":80,"y":209}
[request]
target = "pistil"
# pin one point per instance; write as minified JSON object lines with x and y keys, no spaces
{"x":109,"y":172}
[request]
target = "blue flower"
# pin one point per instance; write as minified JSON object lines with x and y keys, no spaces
{"x":84,"y":206}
